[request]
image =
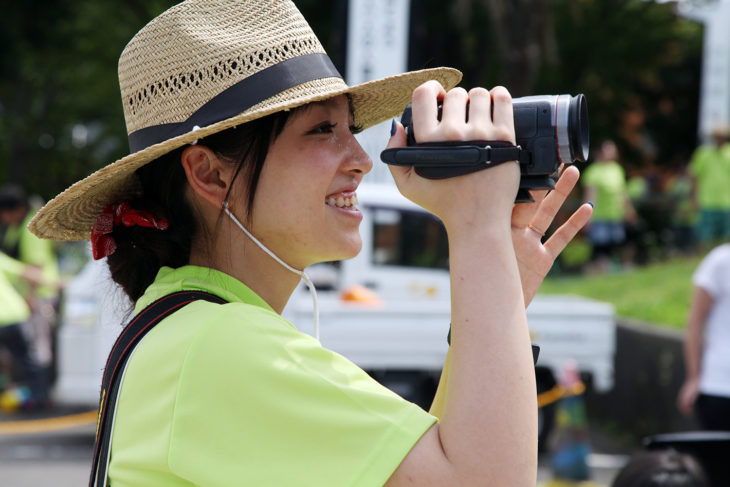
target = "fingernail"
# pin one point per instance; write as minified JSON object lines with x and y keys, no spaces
{"x":591,"y":203}
{"x":392,"y":128}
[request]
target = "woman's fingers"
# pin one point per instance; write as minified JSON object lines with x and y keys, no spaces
{"x":523,"y":213}
{"x":555,"y":199}
{"x":480,"y":113}
{"x":453,"y":115}
{"x":398,"y":139}
{"x":542,"y":211}
{"x":424,"y":110}
{"x":568,"y":230}
{"x":502,"y":117}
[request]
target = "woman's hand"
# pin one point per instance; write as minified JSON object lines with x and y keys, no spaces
{"x":688,"y":395}
{"x":462,"y":202}
{"x":490,"y":390}
{"x":529,"y":223}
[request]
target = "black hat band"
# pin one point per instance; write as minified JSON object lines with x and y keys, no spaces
{"x":240,"y":97}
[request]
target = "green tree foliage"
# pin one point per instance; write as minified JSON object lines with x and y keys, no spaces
{"x":60,"y":111}
{"x":637,"y":63}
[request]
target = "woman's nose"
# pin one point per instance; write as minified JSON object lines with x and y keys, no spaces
{"x":357,"y":160}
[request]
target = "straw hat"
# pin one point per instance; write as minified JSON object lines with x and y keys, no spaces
{"x":204,"y":66}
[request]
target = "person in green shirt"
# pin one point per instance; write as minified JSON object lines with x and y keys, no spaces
{"x":242,"y":176}
{"x":14,"y":314}
{"x":709,"y":168}
{"x":605,"y":185}
{"x":684,"y":217}
{"x":19,"y":243}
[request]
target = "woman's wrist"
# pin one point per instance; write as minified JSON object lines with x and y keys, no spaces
{"x":482,"y":230}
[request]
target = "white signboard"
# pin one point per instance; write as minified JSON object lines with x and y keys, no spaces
{"x":377,"y":46}
{"x":715,"y":88}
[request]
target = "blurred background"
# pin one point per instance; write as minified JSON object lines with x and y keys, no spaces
{"x":656,"y":75}
{"x":637,"y":62}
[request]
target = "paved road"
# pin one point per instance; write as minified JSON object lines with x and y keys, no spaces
{"x":61,"y":457}
{"x":58,"y":458}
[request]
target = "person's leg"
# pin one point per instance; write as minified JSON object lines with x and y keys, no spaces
{"x":33,"y":375}
{"x":704,"y":227}
{"x":39,"y":327}
{"x":599,"y":234}
{"x":620,"y":253}
{"x":717,"y":225}
{"x":725,"y":224}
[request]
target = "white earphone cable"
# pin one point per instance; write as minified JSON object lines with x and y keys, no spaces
{"x":302,"y":274}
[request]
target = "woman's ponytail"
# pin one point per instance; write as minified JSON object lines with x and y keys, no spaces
{"x":141,"y":251}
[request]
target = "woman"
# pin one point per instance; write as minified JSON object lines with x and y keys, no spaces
{"x":706,"y":388}
{"x":235,"y":191}
{"x":605,"y":185}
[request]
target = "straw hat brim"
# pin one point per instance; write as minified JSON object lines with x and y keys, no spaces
{"x":71,"y":215}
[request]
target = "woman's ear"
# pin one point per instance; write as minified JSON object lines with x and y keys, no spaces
{"x":208,"y":176}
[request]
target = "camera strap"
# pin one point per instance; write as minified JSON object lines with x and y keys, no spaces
{"x":441,"y":160}
{"x":128,"y":339}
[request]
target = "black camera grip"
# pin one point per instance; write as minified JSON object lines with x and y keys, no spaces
{"x":441,"y":160}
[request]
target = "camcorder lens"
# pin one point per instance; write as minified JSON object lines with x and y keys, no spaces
{"x":571,"y":128}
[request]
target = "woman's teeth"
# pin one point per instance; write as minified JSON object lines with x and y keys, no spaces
{"x":342,"y":202}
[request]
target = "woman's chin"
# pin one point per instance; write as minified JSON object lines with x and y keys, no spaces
{"x":344,"y":252}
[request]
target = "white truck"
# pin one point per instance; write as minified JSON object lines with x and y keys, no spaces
{"x":387,"y":310}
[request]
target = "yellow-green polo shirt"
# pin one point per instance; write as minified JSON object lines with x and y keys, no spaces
{"x":37,"y":251}
{"x":609,"y":181}
{"x":711,"y":167}
{"x":13,"y":308}
{"x":233,"y":394}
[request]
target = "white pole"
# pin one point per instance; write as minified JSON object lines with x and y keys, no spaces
{"x":377,"y":46}
{"x":714,"y":102}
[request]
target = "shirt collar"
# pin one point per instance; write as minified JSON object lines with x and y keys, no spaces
{"x":195,"y":278}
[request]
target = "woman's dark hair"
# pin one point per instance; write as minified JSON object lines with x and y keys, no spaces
{"x":661,"y":468}
{"x":142,"y":251}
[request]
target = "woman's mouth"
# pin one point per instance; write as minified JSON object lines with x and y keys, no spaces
{"x":342,"y":201}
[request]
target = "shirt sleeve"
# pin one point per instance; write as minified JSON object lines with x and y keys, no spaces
{"x":696,"y":164}
{"x":261,"y":403}
{"x":40,"y":252}
{"x":709,"y":274}
{"x":10,"y":267}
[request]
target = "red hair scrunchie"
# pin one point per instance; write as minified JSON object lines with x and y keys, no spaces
{"x":102,"y":243}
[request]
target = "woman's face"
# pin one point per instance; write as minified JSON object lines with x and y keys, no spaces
{"x":305,"y":208}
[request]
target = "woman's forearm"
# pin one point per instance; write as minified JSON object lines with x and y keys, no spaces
{"x":488,"y":418}
{"x":699,"y":311}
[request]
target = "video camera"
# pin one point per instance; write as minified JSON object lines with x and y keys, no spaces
{"x":550,"y":130}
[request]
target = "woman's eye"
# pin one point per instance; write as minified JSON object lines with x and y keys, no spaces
{"x":324,"y":128}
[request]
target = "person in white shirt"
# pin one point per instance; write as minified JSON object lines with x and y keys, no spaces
{"x":706,"y":390}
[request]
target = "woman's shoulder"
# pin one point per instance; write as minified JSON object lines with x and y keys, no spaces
{"x":716,"y":264}
{"x":236,"y":319}
{"x":719,"y":252}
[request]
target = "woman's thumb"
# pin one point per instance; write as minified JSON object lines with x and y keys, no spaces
{"x":397,"y":135}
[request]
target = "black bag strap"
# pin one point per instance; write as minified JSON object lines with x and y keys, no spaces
{"x":130,"y":336}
